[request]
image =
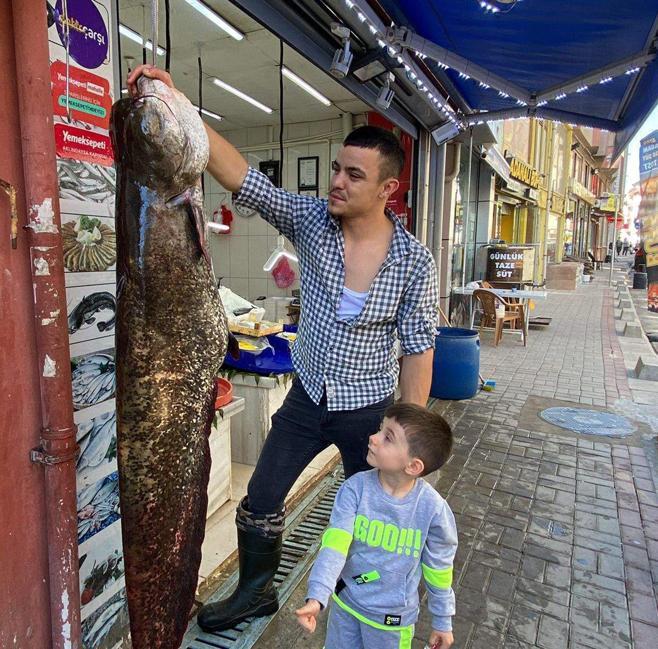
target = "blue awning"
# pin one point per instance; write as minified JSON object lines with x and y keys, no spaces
{"x":541,"y":46}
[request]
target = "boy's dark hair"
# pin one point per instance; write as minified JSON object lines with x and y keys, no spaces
{"x":388,"y":145}
{"x":428,"y":434}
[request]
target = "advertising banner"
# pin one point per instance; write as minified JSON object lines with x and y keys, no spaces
{"x":648,"y":213}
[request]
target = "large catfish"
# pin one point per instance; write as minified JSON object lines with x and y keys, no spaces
{"x":171,"y":337}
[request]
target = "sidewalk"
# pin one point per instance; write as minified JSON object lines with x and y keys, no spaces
{"x":558,"y":531}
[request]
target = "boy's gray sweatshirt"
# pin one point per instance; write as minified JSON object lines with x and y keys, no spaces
{"x":379,"y":546}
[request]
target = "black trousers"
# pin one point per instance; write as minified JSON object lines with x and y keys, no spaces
{"x":300,"y":430}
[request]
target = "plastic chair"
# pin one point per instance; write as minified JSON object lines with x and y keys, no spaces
{"x":514,"y":314}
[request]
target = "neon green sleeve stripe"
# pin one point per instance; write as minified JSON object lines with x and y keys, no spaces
{"x":337,"y":539}
{"x":438,"y":578}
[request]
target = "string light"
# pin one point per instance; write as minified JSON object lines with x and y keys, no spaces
{"x":582,"y":88}
{"x":542,"y":103}
{"x":350,"y":4}
{"x":489,"y":7}
{"x":463,"y":75}
{"x":484,"y":85}
{"x":562,"y":95}
{"x":605,"y":80}
{"x":502,"y":94}
{"x":632,"y":70}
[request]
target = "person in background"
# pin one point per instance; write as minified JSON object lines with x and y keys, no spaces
{"x":366,"y":284}
{"x":388,"y":529}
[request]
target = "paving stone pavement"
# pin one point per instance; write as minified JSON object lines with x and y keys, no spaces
{"x":558,"y":532}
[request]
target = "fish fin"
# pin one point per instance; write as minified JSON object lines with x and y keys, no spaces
{"x":193,"y":203}
{"x":233,"y":347}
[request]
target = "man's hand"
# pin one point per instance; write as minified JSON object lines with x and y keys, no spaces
{"x":150,"y":72}
{"x":441,"y":639}
{"x":307,"y":614}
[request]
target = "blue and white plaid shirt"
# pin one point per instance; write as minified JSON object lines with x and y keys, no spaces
{"x":353,"y":361}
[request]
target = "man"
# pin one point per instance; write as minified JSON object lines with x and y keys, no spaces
{"x":365,"y":283}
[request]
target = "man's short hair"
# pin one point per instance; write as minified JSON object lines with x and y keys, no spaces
{"x":428,"y":434}
{"x":388,"y":145}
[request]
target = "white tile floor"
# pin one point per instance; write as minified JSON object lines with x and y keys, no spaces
{"x":221,"y":537}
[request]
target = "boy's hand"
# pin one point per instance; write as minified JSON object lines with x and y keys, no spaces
{"x":441,"y":639}
{"x":307,"y":614}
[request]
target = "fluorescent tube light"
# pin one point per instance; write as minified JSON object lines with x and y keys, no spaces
{"x":215,"y":18}
{"x":134,"y":36}
{"x":204,"y":111}
{"x":305,"y":86}
{"x":242,"y":95}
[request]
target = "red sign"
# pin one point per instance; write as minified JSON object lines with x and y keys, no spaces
{"x":89,"y":97}
{"x":76,"y":143}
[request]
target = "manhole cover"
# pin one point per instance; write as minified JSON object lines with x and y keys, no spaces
{"x":589,"y":422}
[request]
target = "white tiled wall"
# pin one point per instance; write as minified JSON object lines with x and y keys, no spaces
{"x":238,"y":257}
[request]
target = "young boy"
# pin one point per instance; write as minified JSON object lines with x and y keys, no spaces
{"x":387,"y":527}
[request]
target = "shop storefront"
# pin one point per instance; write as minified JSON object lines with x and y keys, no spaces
{"x":86,"y":78}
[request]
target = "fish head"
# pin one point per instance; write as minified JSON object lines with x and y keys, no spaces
{"x":160,"y":136}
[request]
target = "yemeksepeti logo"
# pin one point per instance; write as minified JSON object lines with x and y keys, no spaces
{"x":87,"y":32}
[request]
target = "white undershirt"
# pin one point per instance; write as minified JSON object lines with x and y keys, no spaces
{"x":351,"y":304}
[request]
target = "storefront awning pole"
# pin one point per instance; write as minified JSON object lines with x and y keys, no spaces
{"x":57,"y":451}
{"x":620,"y":198}
{"x":468,"y":207}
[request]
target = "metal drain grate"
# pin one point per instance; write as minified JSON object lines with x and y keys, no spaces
{"x":301,"y":541}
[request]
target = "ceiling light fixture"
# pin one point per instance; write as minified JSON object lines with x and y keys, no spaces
{"x":242,"y":95}
{"x":205,"y":111}
{"x":215,"y":18}
{"x":305,"y":86}
{"x":134,"y":36}
{"x":342,"y":61}
{"x":385,"y":96}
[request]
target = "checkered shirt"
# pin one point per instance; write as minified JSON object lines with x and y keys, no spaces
{"x":354,"y":362}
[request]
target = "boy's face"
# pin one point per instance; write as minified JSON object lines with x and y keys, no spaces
{"x":388,"y":449}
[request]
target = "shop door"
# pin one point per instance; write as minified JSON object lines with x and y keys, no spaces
{"x":24,"y":599}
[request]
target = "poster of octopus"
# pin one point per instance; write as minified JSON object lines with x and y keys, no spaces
{"x":107,"y":628}
{"x":98,"y":506}
{"x":101,"y":569}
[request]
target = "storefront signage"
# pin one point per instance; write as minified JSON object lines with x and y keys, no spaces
{"x":87,"y":31}
{"x":648,"y":213}
{"x":509,"y":264}
{"x":582,"y":192}
{"x":523,"y":172}
{"x":649,"y":154}
{"x":557,"y":203}
{"x":607,"y":203}
{"x":79,"y":144}
{"x":89,"y":97}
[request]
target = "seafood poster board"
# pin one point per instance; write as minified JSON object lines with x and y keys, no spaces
{"x":81,"y":34}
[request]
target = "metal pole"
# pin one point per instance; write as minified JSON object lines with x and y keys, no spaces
{"x":58,"y":448}
{"x":620,"y":198}
{"x":549,"y":190}
{"x":468,"y":207}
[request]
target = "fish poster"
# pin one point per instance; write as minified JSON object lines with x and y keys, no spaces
{"x":97,"y":438}
{"x":90,"y":312}
{"x":648,"y":213}
{"x":82,"y":40}
{"x":101,"y":569}
{"x":98,"y":506}
{"x":107,"y":627}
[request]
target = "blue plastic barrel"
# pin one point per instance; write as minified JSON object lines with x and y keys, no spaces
{"x":456,"y":363}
